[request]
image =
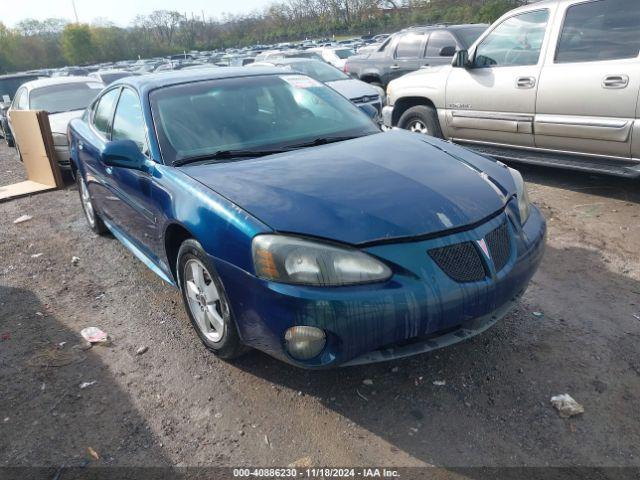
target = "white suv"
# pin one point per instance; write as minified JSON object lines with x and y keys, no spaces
{"x":555,"y":82}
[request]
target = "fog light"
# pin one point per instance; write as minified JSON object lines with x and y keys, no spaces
{"x":304,"y":343}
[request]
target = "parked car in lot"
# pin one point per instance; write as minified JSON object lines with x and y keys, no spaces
{"x":107,"y":77}
{"x":64,"y":98}
{"x":358,"y":92}
{"x":410,"y":50}
{"x":292,"y":224}
{"x":9,"y":84}
{"x":336,"y":56}
{"x":553,"y":83}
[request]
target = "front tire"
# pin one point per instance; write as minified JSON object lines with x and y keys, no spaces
{"x":206,"y":301}
{"x":421,"y":119}
{"x":93,"y":219}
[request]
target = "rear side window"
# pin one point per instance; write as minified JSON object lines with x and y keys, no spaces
{"x":128,"y":123}
{"x":600,"y":30}
{"x":516,"y":41}
{"x":104,"y":111}
{"x":410,"y":46}
{"x":438,"y":41}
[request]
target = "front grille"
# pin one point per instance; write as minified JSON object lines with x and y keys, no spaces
{"x":460,"y":261}
{"x":499,"y":246}
{"x":366,"y":99}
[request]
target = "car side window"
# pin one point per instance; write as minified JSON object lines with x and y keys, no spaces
{"x":410,"y":46}
{"x":437,"y":41}
{"x":128,"y":122}
{"x":103,"y":111}
{"x":517,"y":41}
{"x":600,"y":30}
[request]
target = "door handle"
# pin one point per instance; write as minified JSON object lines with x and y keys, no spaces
{"x":109,"y":170}
{"x":425,"y":65}
{"x":80,"y":145}
{"x":525,"y":82}
{"x":394,"y":67}
{"x":615,"y":81}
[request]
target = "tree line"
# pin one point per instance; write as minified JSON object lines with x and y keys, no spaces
{"x":55,"y":42}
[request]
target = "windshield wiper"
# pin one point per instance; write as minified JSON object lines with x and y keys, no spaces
{"x":226,"y":155}
{"x":324,"y":141}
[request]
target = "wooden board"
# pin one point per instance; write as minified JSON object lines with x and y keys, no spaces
{"x":33,"y":137}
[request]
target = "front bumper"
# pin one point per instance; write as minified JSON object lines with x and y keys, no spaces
{"x":63,"y":156}
{"x":418,"y":309}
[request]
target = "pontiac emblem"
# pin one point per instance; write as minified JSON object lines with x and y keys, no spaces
{"x":483,"y":246}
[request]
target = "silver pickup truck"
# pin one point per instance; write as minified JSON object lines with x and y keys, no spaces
{"x":555,"y":83}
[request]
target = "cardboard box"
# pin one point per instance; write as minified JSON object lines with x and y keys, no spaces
{"x":35,"y":142}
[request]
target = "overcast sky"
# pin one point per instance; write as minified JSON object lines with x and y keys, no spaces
{"x":120,"y":12}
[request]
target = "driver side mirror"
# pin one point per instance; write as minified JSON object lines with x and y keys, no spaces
{"x":448,"y":51}
{"x":461,"y":59}
{"x":123,"y":153}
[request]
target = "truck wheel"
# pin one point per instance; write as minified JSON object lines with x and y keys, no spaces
{"x":421,"y":119}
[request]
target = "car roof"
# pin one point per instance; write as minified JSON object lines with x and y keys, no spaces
{"x":152,"y":81}
{"x":47,"y":82}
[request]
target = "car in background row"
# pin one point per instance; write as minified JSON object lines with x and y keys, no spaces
{"x":9,"y":84}
{"x":290,"y":223}
{"x":358,"y":92}
{"x":336,"y":56}
{"x":553,"y":83}
{"x":107,"y":77}
{"x":412,"y":49}
{"x":63,"y":98}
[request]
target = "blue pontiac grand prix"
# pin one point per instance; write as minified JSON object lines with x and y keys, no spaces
{"x":293,"y":225}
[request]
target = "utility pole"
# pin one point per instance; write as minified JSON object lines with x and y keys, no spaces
{"x":75,"y":12}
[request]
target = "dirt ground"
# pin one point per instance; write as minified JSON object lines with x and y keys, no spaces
{"x":177,"y":404}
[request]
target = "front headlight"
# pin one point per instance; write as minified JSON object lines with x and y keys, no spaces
{"x":521,"y":194}
{"x":294,"y":260}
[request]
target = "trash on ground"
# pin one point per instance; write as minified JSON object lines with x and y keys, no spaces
{"x":439,"y":383}
{"x":36,"y":255}
{"x":93,"y":453}
{"x":75,"y":261}
{"x":22,"y":219}
{"x":304,"y":462}
{"x":142,"y":350}
{"x":367,"y":381}
{"x":94,"y":335}
{"x":84,"y":385}
{"x":566,"y":405}
{"x":5,"y":336}
{"x":538,"y":314}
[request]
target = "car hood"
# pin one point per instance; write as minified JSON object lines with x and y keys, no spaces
{"x":380,"y":187}
{"x":60,"y":121}
{"x":352,"y":88}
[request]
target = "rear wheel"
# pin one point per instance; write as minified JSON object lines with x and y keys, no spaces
{"x":93,"y":219}
{"x":206,"y":301}
{"x":421,"y":119}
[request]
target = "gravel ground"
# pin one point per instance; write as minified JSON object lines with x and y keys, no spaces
{"x":177,"y":404}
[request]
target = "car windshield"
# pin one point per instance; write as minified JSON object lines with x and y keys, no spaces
{"x":344,"y":53}
{"x":64,"y":97}
{"x":470,"y":35}
{"x":323,"y":72}
{"x":266,"y":112}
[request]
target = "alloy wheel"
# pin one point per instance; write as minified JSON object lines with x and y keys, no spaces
{"x":204,"y":300}
{"x":418,"y":126}
{"x":87,"y":206}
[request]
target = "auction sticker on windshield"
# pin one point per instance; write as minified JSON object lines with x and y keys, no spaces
{"x":300,"y":81}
